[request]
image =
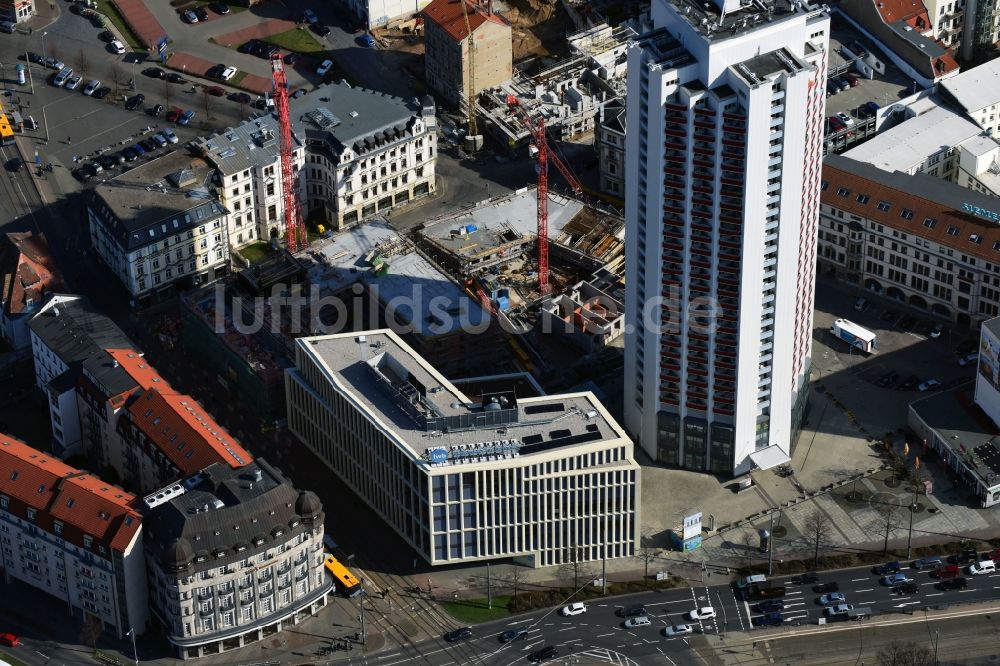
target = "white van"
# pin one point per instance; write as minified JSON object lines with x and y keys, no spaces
{"x":60,"y":78}
{"x":984,"y":567}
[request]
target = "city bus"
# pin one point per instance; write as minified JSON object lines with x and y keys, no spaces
{"x":6,"y":129}
{"x":347,"y":583}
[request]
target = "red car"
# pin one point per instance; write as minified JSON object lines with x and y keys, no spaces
{"x":173,"y":115}
{"x":216,"y":91}
{"x":836,"y":124}
{"x":947,"y":571}
{"x":10,"y":640}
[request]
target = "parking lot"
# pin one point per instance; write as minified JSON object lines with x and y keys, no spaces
{"x":905,"y":346}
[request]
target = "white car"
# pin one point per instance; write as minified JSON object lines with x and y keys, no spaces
{"x":117,"y":46}
{"x":984,"y":567}
{"x":634,"y":622}
{"x":91,"y":87}
{"x":677,"y":630}
{"x":839,"y":609}
{"x":704,"y":613}
{"x":190,"y":16}
{"x":578,"y":608}
{"x":72,"y":82}
{"x":846,"y":119}
{"x":169,"y":135}
{"x":228,"y":73}
{"x":324,"y":67}
{"x":929,"y":385}
{"x":937,"y":331}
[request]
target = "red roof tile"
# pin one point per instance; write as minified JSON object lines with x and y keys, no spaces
{"x":448,"y":15}
{"x":144,"y":374}
{"x":82,"y":502}
{"x":28,"y":271}
{"x":188,"y":436}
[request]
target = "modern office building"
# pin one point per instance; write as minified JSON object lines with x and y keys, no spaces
{"x":73,"y":536}
{"x":725,"y":113}
{"x":545,"y":480}
{"x":234,"y":556}
{"x":913,"y":238}
{"x":447,"y":41}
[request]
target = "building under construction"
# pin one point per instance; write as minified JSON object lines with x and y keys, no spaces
{"x":496,"y":244}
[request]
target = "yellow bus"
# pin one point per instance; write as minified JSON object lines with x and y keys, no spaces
{"x":347,"y":583}
{"x":6,"y":130}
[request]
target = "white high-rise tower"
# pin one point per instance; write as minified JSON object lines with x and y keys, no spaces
{"x":723,"y":155}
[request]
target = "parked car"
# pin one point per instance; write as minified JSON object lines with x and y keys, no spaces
{"x":888,"y":379}
{"x":309,"y":16}
{"x":139,"y":150}
{"x":73,"y":82}
{"x":768,"y":619}
{"x":291,"y":58}
{"x":160,"y":141}
{"x":839,"y":609}
{"x":201,"y":13}
{"x":959,"y":583}
{"x":81,"y":174}
{"x":149,"y":145}
{"x":240,"y":97}
{"x":101,"y":92}
{"x":703,"y":613}
{"x":513,"y":634}
{"x":637,"y":622}
{"x":675,"y":630}
{"x":460,"y":634}
{"x":108,"y":161}
{"x":937,"y":331}
{"x":155,"y":111}
{"x":846,"y":119}
{"x":116,"y":47}
{"x":320,"y":29}
{"x":578,"y":608}
{"x":324,"y":67}
{"x":832,"y":599}
{"x":887,"y":568}
{"x":770,"y":605}
{"x":248,"y":46}
{"x":932,"y":562}
{"x":831,"y":586}
{"x":543,"y":654}
{"x":35,"y":58}
{"x":631,"y":611}
{"x":215,"y":91}
{"x":135,"y":101}
{"x":185,"y":117}
{"x":852,"y":79}
{"x":92,"y":87}
{"x":298,"y":93}
{"x":8,"y":27}
{"x":220,"y":8}
{"x":190,"y":16}
{"x":154,"y":73}
{"x":836,"y":124}
{"x":929,"y":385}
{"x":895,"y":579}
{"x":9,"y":640}
{"x":130,"y":154}
{"x":909,"y":383}
{"x":174,"y":77}
{"x":968,"y":359}
{"x":54,"y":63}
{"x":946,"y":572}
{"x":863,"y":112}
{"x":861,"y":304}
{"x":169,"y":135}
{"x":983,"y":567}
{"x":367,"y":41}
{"x":228,"y":73}
{"x":173,"y":115}
{"x":873,"y":107}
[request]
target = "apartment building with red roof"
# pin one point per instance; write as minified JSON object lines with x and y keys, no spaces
{"x":446,"y":54}
{"x":71,"y":535}
{"x":28,"y":275}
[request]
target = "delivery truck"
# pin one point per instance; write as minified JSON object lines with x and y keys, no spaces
{"x":856,"y":336}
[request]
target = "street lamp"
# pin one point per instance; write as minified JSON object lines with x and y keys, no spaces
{"x":43,"y":44}
{"x":135,"y":653}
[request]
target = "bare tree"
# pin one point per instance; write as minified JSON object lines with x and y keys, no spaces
{"x":90,"y":630}
{"x":749,"y":540}
{"x":818,"y":530}
{"x":898,"y":653}
{"x":166,"y":93}
{"x":82,"y":63}
{"x":575,"y":566}
{"x":514,"y":580}
{"x":118,"y":75}
{"x":207,"y":99}
{"x":647,"y":554}
{"x":887,"y":518}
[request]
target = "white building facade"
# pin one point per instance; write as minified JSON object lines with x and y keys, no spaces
{"x":545,"y":480}
{"x":72,"y":536}
{"x":725,"y":121}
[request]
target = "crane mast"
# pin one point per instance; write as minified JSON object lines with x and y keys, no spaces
{"x":294,"y":231}
{"x":470,"y":94}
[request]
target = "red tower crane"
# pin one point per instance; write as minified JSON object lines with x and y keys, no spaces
{"x":294,"y":231}
{"x":536,"y":126}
